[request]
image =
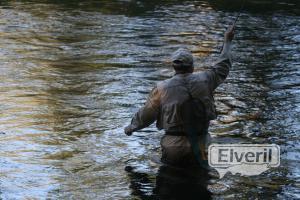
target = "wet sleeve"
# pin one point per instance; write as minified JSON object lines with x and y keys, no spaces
{"x":220,"y":70}
{"x":148,"y":113}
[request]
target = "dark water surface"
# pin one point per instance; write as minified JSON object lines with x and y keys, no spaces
{"x":73,"y":73}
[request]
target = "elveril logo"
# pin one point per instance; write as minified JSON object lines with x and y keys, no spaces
{"x":245,"y":159}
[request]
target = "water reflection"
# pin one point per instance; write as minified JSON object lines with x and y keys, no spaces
{"x":170,"y":183}
{"x":72,"y":73}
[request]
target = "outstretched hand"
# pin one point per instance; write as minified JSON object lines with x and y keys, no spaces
{"x":229,"y":34}
{"x":128,"y":130}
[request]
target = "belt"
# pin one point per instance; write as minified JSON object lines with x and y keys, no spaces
{"x":179,"y":133}
{"x":176,"y":133}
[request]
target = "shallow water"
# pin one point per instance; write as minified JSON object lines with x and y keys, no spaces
{"x":73,"y":73}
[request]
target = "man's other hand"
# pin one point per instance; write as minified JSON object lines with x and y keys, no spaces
{"x":128,"y":130}
{"x":229,"y":34}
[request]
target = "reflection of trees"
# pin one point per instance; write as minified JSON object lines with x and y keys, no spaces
{"x":255,"y":6}
{"x":140,"y":7}
{"x":129,"y":8}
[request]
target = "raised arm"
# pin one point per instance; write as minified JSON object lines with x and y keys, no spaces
{"x":220,"y":70}
{"x":146,"y":115}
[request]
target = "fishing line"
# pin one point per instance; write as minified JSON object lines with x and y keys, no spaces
{"x":240,"y":11}
{"x":236,"y":19}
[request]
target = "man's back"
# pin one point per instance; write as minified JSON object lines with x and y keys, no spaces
{"x":177,"y":90}
{"x":164,"y":104}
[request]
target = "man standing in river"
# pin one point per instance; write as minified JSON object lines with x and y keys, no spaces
{"x":166,"y":100}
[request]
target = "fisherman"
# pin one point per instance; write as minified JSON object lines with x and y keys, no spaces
{"x":166,"y":100}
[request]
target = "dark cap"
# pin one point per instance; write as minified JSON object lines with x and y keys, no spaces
{"x":184,"y":56}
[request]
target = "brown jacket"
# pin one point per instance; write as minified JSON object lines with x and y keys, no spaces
{"x":163,"y":106}
{"x":165,"y":99}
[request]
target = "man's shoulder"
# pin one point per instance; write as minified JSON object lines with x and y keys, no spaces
{"x":167,"y":83}
{"x":199,"y":76}
{"x":177,"y":80}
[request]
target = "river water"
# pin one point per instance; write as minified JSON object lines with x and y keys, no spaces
{"x":74,"y":72}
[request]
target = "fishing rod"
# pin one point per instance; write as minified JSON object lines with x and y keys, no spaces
{"x":240,"y":11}
{"x":237,"y":17}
